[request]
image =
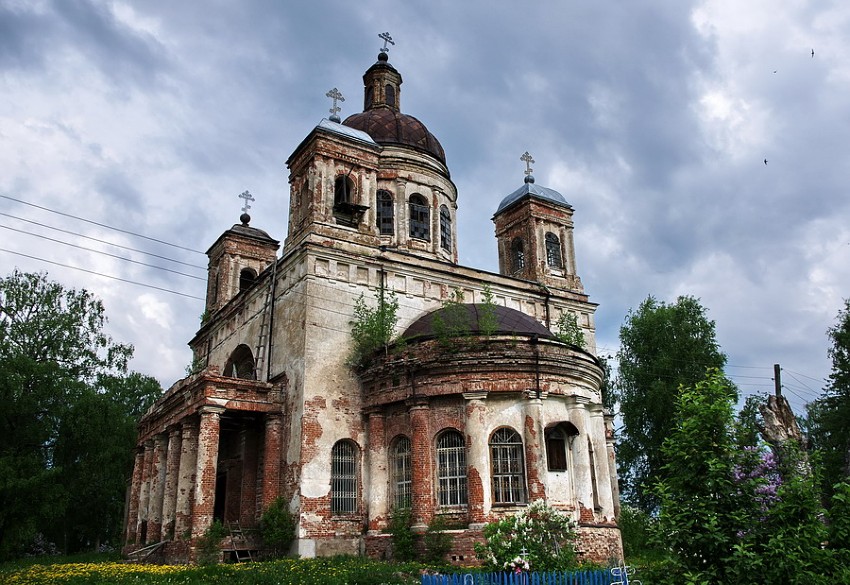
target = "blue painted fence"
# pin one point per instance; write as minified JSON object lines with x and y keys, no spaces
{"x":597,"y":577}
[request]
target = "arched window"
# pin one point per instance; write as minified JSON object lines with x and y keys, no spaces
{"x":553,"y":251}
{"x":451,"y":469}
{"x":559,"y":444}
{"x":420,"y":217}
{"x":240,"y":364}
{"x":508,"y":467}
{"x":247,"y":277}
{"x":344,"y":484}
{"x":517,"y":255}
{"x":389,"y":91}
{"x":343,"y":189}
{"x":369,"y":95}
{"x":445,"y":228}
{"x":402,"y":476}
{"x":385,"y":215}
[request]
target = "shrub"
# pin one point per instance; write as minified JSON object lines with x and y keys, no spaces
{"x":539,"y":534}
{"x":209,"y":545}
{"x":277,"y":527}
{"x":401,"y":533}
{"x":438,"y":542}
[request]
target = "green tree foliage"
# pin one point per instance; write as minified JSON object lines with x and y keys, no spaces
{"x":697,"y":506}
{"x":662,"y":347}
{"x":372,"y":327}
{"x":401,"y":532}
{"x":567,"y":330}
{"x":728,"y":513}
{"x":829,"y":416}
{"x":68,"y":417}
{"x":453,"y":322}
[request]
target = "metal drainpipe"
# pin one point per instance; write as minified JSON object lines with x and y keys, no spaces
{"x":535,"y":341}
{"x":546,"y":305}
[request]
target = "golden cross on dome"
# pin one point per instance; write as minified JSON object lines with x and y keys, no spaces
{"x":387,"y":39}
{"x":526,"y":158}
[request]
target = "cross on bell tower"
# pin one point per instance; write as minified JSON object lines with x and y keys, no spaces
{"x":336,"y":96}
{"x":526,"y":158}
{"x":387,"y":39}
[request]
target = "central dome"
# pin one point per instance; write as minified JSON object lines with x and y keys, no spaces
{"x":382,"y":118}
{"x":388,"y":126}
{"x":505,"y":321}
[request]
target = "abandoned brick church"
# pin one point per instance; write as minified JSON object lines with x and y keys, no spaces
{"x":469,"y":430}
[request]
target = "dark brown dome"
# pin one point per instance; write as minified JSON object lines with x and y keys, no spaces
{"x":507,"y":322}
{"x":388,"y":126}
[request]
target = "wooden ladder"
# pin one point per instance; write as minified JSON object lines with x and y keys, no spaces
{"x":263,"y":340}
{"x":237,"y":537}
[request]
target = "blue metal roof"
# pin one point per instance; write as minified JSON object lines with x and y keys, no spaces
{"x":529,"y":189}
{"x":346,"y":131}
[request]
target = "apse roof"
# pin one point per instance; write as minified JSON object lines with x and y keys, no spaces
{"x":529,"y":189}
{"x":507,"y":322}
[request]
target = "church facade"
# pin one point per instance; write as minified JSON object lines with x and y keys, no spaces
{"x":476,"y":410}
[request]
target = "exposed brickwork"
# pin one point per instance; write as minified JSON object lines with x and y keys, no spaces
{"x":272,"y":459}
{"x":172,"y":472}
{"x":204,"y":500}
{"x":135,"y":489}
{"x":186,"y":479}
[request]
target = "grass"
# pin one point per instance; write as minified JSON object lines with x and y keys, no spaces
{"x":100,"y":571}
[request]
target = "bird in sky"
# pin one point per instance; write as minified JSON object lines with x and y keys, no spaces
{"x":813,"y":53}
{"x":765,"y":161}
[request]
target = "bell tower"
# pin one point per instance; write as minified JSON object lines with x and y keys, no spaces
{"x":534,"y":230}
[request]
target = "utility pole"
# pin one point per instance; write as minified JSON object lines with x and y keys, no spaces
{"x":777,"y":380}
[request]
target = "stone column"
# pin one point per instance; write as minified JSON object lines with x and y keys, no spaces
{"x":378,"y":480}
{"x":248,"y":505}
{"x":422,"y":502}
{"x":596,"y":432}
{"x":580,"y":457}
{"x":172,"y":471}
{"x":206,"y":469}
{"x":157,"y":489}
{"x":272,"y":457}
{"x":186,"y":479}
{"x":478,"y":478}
{"x":135,"y":491}
{"x":144,"y":493}
{"x":534,"y":446}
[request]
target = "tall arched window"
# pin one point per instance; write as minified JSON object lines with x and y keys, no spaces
{"x":445,"y":228}
{"x":553,"y":251}
{"x":343,"y":189}
{"x":420,"y":217}
{"x":247,"y":277}
{"x":240,"y":364}
{"x":517,"y":255}
{"x":385,"y":215}
{"x":344,"y":484}
{"x":508,"y":467}
{"x":402,"y":476}
{"x":389,"y":92}
{"x":559,"y":444}
{"x":451,"y":469}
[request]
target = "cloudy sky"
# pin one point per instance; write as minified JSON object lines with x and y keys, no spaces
{"x":652,"y":118}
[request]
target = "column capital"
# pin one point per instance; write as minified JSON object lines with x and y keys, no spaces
{"x":211,"y":409}
{"x":417,"y":404}
{"x":477,"y":395}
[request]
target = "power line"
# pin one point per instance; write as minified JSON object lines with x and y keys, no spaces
{"x":64,"y":231}
{"x":102,"y":224}
{"x":101,"y":252}
{"x":101,"y":274}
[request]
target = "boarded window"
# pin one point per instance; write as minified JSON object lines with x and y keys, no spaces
{"x":451,"y":469}
{"x":344,"y":478}
{"x":508,"y":467}
{"x":420,"y":217}
{"x":559,"y":441}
